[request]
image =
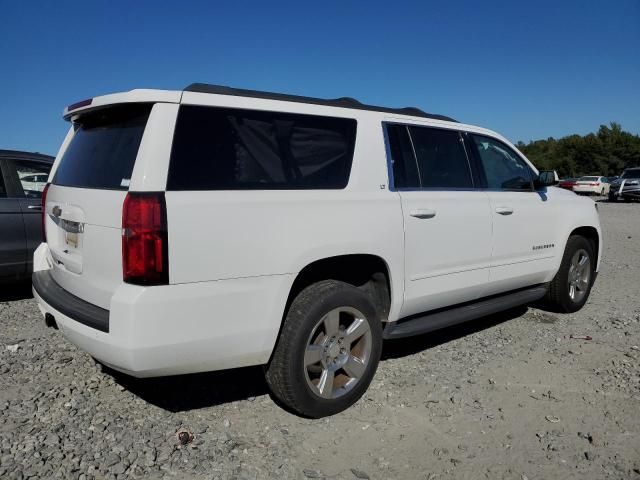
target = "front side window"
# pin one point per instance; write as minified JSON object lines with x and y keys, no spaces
{"x":442,"y":161}
{"x":503,"y":168}
{"x":233,"y":149}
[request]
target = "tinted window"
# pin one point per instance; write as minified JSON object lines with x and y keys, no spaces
{"x":442,"y":161}
{"x":631,"y":173}
{"x":103,"y":150}
{"x":503,"y":168}
{"x":3,"y":190}
{"x":403,"y":163}
{"x":33,"y":177}
{"x":232,"y":149}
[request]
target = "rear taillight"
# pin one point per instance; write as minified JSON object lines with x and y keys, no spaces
{"x":43,"y":216}
{"x":592,"y":184}
{"x":144,"y":239}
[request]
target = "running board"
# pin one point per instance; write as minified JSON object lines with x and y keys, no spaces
{"x":442,"y":318}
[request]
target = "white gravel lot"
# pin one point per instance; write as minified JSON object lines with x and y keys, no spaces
{"x":510,"y":396}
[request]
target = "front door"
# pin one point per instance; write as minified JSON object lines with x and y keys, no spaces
{"x":524,"y":223}
{"x":447,"y":221}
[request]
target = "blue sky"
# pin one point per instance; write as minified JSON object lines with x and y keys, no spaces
{"x":529,"y":70}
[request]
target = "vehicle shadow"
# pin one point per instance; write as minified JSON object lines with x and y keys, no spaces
{"x":16,"y":290}
{"x":182,"y":393}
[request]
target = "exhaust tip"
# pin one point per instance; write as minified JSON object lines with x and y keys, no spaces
{"x":50,"y":321}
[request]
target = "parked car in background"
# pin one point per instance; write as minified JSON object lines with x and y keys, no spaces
{"x":567,"y":183}
{"x":592,"y":185}
{"x":21,"y":183}
{"x":627,"y":186}
{"x":34,"y":182}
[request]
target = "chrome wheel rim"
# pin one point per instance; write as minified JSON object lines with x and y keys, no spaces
{"x":579,"y":275}
{"x":337,"y":352}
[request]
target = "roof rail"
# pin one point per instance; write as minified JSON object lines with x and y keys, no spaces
{"x":343,"y":102}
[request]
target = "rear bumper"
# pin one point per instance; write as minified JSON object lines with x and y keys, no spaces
{"x":174,"y":329}
{"x":581,"y":189}
{"x":67,"y":304}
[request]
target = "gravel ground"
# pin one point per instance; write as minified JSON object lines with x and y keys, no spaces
{"x":510,"y":396}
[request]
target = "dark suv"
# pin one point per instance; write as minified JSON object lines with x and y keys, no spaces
{"x":627,"y":186}
{"x":23,"y":176}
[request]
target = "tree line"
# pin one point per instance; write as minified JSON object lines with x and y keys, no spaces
{"x":607,"y":152}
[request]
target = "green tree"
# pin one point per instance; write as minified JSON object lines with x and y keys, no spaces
{"x":606,"y":152}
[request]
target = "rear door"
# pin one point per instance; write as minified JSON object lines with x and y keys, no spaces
{"x":447,"y":220}
{"x":84,"y":201}
{"x":12,"y":242}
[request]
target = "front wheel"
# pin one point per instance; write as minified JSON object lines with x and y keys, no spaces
{"x":328,"y":350}
{"x":570,"y":288}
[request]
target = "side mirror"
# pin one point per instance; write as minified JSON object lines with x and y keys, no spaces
{"x":546,"y":178}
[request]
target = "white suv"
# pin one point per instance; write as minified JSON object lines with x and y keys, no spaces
{"x":214,"y":228}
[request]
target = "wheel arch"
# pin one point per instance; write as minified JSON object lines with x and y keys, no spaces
{"x":369,"y":272}
{"x":593,"y":236}
{"x":348,"y":268}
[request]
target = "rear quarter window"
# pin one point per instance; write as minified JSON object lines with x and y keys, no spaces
{"x":233,"y":149}
{"x":103,"y":150}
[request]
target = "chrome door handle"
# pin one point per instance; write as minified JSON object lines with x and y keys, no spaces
{"x":504,"y":210}
{"x":423,"y":213}
{"x":34,"y":207}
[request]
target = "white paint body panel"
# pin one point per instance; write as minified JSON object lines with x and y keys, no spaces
{"x":445,"y":264}
{"x":234,"y":255}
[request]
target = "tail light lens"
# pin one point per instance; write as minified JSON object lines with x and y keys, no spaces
{"x":593,"y":184}
{"x":43,"y":215}
{"x":144,"y":239}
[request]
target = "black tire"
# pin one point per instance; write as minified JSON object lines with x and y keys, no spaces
{"x":558,"y":295}
{"x":612,"y":198}
{"x":288,"y":376}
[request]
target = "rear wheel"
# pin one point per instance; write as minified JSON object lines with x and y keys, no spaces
{"x":612,"y":197}
{"x":570,"y":288}
{"x":328,"y":350}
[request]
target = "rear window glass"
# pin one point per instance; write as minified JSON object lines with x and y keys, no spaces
{"x":104,"y":147}
{"x":233,"y":149}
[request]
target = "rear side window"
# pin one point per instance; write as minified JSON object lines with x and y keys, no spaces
{"x":442,"y":161}
{"x":404,"y":166}
{"x":33,"y":177}
{"x":231,"y":149}
{"x":3,"y":190}
{"x":104,"y":147}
